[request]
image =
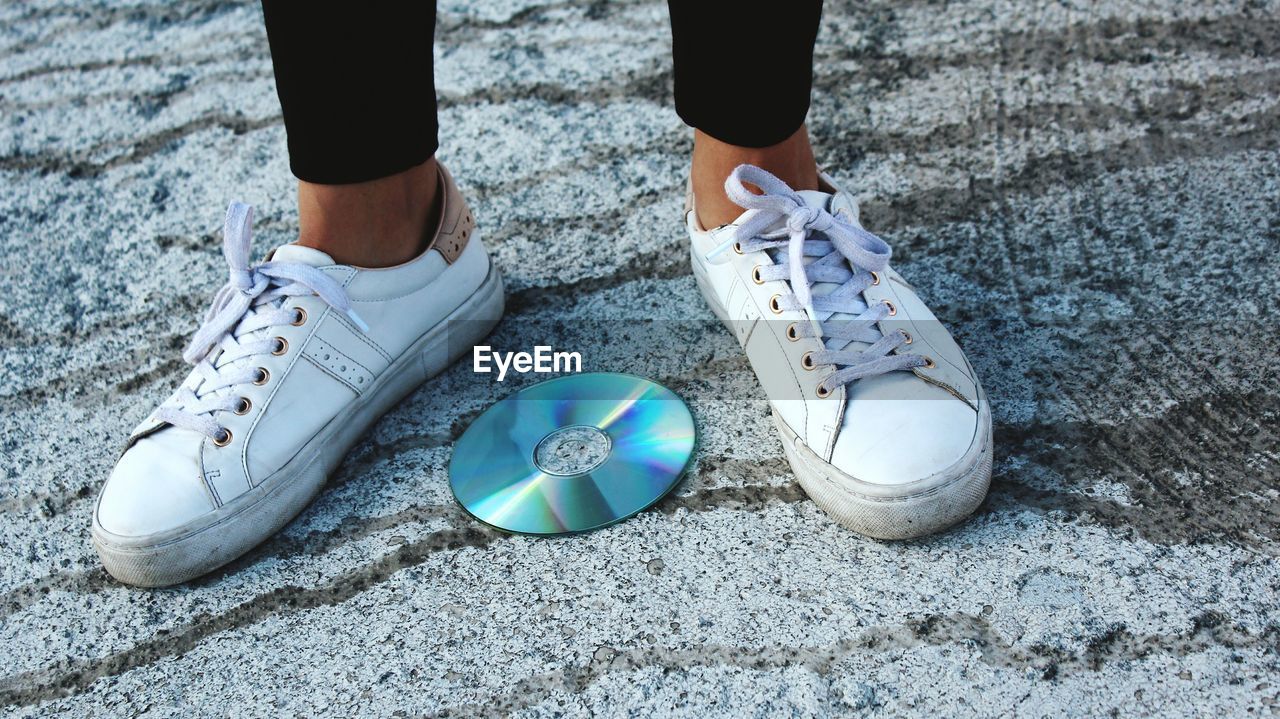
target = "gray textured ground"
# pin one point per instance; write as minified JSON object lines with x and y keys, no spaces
{"x":1088,"y":192}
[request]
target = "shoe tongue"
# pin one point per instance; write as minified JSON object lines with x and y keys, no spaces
{"x":815,"y":198}
{"x":294,"y":252}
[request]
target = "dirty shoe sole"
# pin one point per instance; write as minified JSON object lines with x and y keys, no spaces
{"x":904,"y":511}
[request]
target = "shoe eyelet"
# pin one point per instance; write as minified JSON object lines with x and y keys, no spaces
{"x":806,"y":361}
{"x":875,"y":278}
{"x":755,"y":275}
{"x":929,"y":363}
{"x":263,"y":376}
{"x":792,"y":334}
{"x":822,"y":391}
{"x":892,"y":310}
{"x":774,"y":306}
{"x":300,"y":317}
{"x":737,"y":247}
{"x":223,"y":439}
{"x":282,"y":346}
{"x":907,"y":337}
{"x":243,"y":407}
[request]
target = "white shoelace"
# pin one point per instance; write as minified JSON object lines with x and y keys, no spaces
{"x":846,"y":254}
{"x":252,"y":299}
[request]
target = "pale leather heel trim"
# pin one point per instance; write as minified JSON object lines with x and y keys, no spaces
{"x":457,"y":223}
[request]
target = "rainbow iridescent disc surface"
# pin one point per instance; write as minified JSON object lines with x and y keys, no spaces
{"x":572,"y":454}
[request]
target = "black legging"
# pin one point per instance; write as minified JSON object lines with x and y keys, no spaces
{"x":345,"y":77}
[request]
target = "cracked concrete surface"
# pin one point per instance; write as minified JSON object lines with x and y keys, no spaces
{"x":1086,"y":191}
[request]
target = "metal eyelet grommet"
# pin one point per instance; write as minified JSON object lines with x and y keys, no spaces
{"x":907,"y":335}
{"x":300,"y":317}
{"x":755,"y":275}
{"x":737,"y":247}
{"x":792,"y":334}
{"x":282,"y":346}
{"x":892,"y":310}
{"x":806,"y":361}
{"x":774,"y":306}
{"x":223,"y":439}
{"x":263,"y":376}
{"x":243,"y":406}
{"x":929,"y":363}
{"x":875,"y":278}
{"x":822,"y":392}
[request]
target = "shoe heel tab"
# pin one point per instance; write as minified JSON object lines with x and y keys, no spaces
{"x":457,"y":222}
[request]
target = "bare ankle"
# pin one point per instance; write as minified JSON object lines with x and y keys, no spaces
{"x":791,"y":160}
{"x":379,"y":223}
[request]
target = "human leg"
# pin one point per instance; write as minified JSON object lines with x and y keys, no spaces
{"x":359,"y":104}
{"x":881,"y":416}
{"x":386,"y":286}
{"x":742,"y":80}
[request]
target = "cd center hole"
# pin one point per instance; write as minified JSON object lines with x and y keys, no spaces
{"x":572,"y":450}
{"x":569,"y":449}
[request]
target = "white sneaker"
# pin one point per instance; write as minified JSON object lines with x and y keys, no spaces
{"x":883,"y":420}
{"x":296,"y":359}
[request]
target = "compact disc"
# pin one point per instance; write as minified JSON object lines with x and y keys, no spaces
{"x":572,"y":454}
